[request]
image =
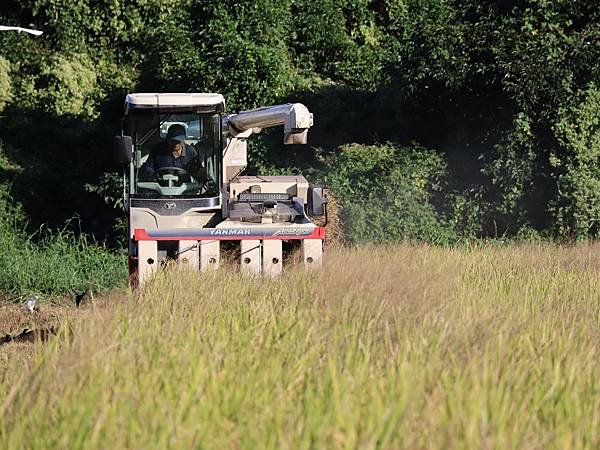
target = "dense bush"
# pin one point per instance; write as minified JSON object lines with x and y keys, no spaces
{"x":5,"y":84}
{"x":388,"y":193}
{"x":577,"y":205}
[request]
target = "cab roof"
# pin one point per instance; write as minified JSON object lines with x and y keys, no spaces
{"x":197,"y":102}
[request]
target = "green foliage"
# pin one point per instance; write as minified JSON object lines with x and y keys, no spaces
{"x":493,"y":87}
{"x":577,"y":207}
{"x":464,"y":212}
{"x":387,"y":193}
{"x":55,"y":263}
{"x":11,"y":211}
{"x":49,"y":262}
{"x":71,"y":82}
{"x":540,"y":54}
{"x":242,"y":52}
{"x":110,"y":188}
{"x":511,"y":174}
{"x":427,"y":45}
{"x":5,"y":84}
{"x":339,"y":40}
{"x":101,"y":26}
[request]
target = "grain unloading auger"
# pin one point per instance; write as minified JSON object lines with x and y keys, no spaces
{"x":186,"y":198}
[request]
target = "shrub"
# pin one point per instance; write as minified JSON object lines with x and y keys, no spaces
{"x":71,"y":85}
{"x":577,"y":206}
{"x":5,"y":84}
{"x":388,"y":193}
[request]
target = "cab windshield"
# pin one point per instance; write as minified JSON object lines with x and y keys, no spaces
{"x":175,"y":154}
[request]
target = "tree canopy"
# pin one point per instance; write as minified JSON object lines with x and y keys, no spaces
{"x":496,"y":103}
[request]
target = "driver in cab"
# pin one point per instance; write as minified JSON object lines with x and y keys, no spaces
{"x":172,"y":152}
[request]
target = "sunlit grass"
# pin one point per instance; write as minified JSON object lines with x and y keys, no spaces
{"x":404,"y":347}
{"x":56,"y":263}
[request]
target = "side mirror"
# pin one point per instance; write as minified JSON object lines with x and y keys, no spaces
{"x":123,"y":149}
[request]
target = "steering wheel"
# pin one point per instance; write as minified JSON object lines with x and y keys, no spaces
{"x":171,"y":171}
{"x":170,"y":174}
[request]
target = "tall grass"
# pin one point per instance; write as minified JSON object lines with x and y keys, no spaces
{"x":404,"y":347}
{"x":56,"y":263}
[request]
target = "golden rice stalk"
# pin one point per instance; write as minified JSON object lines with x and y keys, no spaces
{"x":334,"y":233}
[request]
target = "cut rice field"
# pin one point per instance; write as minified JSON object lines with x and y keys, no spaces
{"x":397,"y":347}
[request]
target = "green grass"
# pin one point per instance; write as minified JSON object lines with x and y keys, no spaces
{"x":56,"y":263}
{"x":403,"y":347}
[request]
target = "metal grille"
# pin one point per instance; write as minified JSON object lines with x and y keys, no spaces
{"x":261,"y":197}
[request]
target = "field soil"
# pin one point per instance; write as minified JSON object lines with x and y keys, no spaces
{"x":399,"y":347}
{"x":22,"y":331}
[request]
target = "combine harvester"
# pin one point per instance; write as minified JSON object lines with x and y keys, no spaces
{"x":188,"y":212}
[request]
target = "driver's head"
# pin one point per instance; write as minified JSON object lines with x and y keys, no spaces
{"x":176,"y":139}
{"x":176,"y":133}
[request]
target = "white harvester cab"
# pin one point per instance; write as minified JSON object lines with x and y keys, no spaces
{"x":186,"y":198}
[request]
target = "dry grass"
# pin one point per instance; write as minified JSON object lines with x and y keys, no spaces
{"x":403,"y":347}
{"x":332,"y":222}
{"x":57,"y":315}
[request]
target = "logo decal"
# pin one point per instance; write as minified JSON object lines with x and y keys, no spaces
{"x":300,"y":231}
{"x":170,"y":205}
{"x":229,"y":232}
